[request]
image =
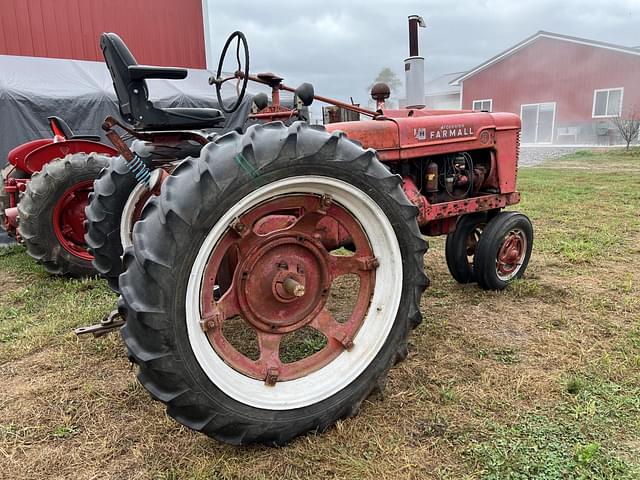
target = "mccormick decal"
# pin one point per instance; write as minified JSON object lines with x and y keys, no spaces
{"x":445,"y":131}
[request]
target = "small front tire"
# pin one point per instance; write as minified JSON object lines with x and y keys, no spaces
{"x":460,"y":247}
{"x":504,"y":250}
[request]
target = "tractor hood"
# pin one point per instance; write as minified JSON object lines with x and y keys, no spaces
{"x":411,"y":133}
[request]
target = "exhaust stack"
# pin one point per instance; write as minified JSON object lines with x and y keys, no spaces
{"x":414,"y":65}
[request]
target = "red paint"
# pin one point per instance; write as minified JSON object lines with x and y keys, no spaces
{"x":428,"y":212}
{"x":553,"y":70}
{"x":160,"y":32}
{"x":397,"y":136}
{"x":511,"y":252}
{"x":266,"y":261}
{"x":16,"y":156}
{"x":68,"y":219}
{"x":35,"y":160}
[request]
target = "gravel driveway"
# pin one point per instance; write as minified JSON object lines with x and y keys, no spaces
{"x":530,"y":156}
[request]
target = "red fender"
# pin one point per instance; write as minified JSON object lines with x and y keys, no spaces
{"x":36,"y":159}
{"x":17,"y":155}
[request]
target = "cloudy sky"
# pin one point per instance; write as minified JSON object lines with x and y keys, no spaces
{"x":341,"y":45}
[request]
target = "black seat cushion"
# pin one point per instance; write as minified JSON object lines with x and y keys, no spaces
{"x":187,"y":118}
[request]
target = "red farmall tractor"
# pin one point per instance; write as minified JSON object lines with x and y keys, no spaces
{"x":271,"y":282}
{"x":43,"y":195}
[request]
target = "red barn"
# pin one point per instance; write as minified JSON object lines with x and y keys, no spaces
{"x":160,"y":32}
{"x":566,"y":89}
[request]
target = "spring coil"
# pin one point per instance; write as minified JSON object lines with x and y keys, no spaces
{"x":140,"y":171}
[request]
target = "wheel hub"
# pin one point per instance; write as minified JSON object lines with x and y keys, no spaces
{"x":511,"y":254}
{"x":282,"y":276}
{"x":283,"y":282}
{"x":68,"y":219}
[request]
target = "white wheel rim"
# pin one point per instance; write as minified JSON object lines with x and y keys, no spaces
{"x":369,"y":340}
{"x":126,"y":221}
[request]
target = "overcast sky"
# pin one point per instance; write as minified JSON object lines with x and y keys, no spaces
{"x":340,"y":45}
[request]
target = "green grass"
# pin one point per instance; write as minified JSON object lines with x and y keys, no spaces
{"x":45,"y":310}
{"x":581,"y":436}
{"x":585,"y":214}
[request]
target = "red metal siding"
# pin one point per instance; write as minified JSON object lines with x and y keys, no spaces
{"x":158,"y":32}
{"x":550,"y":70}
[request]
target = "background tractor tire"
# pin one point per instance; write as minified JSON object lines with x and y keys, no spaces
{"x":504,"y":250}
{"x":5,"y":201}
{"x":178,"y":365}
{"x":461,"y":244}
{"x":104,"y":214}
{"x":58,"y":189}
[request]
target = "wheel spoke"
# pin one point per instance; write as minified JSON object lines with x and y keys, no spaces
{"x":220,"y":81}
{"x":238,"y":54}
{"x":344,"y":265}
{"x":228,"y":303}
{"x":326,"y":324}
{"x":269,"y":345}
{"x":214,"y":314}
{"x":315,"y":210}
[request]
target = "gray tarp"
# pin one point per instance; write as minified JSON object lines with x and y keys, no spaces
{"x":81,"y":93}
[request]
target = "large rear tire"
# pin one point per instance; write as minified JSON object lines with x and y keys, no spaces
{"x":291,"y":178}
{"x":104,"y":212}
{"x":51,"y":213}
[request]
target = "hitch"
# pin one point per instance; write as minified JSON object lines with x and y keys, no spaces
{"x":111,"y":321}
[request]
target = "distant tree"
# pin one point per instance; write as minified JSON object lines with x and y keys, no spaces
{"x":628,"y":126}
{"x":389,"y":77}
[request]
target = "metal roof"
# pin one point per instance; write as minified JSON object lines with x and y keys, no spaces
{"x":533,"y":38}
{"x":441,"y":85}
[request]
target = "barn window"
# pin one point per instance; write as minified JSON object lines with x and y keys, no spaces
{"x":607,"y":102}
{"x":483,"y":105}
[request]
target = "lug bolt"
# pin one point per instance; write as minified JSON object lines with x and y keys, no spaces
{"x":272,"y":377}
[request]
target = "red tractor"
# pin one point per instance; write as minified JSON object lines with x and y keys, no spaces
{"x":236,"y":259}
{"x":43,"y":194}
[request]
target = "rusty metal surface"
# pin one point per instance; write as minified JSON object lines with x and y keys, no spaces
{"x":438,"y":211}
{"x":110,"y":322}
{"x":281,"y":282}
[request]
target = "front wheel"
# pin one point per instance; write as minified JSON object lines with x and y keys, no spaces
{"x":503,"y":250}
{"x":270,"y":347}
{"x":460,"y":247}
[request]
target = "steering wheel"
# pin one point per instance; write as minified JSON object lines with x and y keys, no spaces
{"x":241,"y":74}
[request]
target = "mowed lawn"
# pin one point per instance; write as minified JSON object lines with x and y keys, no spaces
{"x":539,"y":381}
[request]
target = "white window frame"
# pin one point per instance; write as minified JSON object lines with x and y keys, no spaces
{"x":606,"y":106}
{"x":553,"y":122}
{"x":490,"y":100}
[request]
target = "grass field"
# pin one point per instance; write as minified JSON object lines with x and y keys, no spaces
{"x":539,"y":381}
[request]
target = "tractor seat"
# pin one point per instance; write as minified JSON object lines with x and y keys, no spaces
{"x":129,"y":82}
{"x":179,"y":118}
